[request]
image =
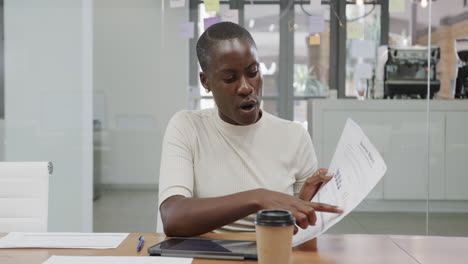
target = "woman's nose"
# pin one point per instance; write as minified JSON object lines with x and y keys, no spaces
{"x":245,"y":88}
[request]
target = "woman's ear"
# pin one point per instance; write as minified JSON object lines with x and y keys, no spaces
{"x":204,"y":81}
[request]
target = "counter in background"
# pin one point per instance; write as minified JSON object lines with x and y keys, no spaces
{"x":398,"y":130}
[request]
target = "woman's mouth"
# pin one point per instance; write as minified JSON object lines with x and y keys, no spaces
{"x":248,"y":107}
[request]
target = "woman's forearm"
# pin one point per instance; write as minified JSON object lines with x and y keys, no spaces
{"x":194,"y":216}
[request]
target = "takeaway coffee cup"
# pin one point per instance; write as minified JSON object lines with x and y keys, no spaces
{"x":274,"y":231}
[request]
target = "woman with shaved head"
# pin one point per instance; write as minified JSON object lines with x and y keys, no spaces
{"x":220,"y":166}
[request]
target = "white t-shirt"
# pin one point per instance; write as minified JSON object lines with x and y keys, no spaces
{"x":203,"y":156}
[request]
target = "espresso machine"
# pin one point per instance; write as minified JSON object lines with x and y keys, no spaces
{"x":461,"y":83}
{"x":405,"y":71}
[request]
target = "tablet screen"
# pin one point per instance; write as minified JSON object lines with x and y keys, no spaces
{"x":189,"y":246}
{"x":193,"y":245}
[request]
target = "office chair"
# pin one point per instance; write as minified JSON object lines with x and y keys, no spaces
{"x":24,"y":196}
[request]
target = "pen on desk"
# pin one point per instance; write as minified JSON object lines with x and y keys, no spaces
{"x":140,"y":243}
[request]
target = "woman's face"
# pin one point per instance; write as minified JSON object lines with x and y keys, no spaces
{"x":233,"y":76}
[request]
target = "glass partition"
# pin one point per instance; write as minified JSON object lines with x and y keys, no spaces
{"x":389,"y":109}
{"x":448,"y":151}
{"x":93,"y":90}
{"x":138,"y":85}
{"x":47,"y":75}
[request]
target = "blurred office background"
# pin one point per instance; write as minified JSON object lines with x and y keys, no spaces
{"x":91,"y":84}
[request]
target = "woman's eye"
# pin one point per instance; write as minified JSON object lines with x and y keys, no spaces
{"x":229,"y":79}
{"x":253,"y":74}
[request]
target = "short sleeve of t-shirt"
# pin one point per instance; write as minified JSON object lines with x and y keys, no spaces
{"x":306,"y":161}
{"x":176,"y":169}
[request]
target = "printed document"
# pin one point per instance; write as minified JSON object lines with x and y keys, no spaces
{"x":116,"y":260}
{"x":357,"y":167}
{"x":62,"y":240}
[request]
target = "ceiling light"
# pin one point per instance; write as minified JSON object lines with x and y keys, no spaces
{"x":271,"y":28}
{"x":251,"y":23}
{"x":423,"y":3}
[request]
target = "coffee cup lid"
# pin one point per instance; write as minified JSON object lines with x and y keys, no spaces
{"x":274,"y":218}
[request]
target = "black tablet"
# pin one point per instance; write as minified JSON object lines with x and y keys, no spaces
{"x":195,"y":247}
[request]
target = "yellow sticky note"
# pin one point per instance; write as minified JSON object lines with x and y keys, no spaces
{"x":211,"y":5}
{"x":314,"y":40}
{"x":396,"y":6}
{"x":355,"y":30}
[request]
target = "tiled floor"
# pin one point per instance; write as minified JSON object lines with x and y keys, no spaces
{"x":135,"y":211}
{"x":125,"y":211}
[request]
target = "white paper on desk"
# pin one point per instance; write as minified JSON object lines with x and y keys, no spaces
{"x":357,"y":167}
{"x":116,"y":260}
{"x":62,"y":240}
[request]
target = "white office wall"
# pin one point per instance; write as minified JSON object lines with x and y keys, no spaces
{"x":140,"y":81}
{"x":48,"y":100}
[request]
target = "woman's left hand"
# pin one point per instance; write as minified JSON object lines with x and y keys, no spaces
{"x":313,"y":183}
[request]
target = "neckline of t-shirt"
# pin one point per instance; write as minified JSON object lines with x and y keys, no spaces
{"x":235,"y":128}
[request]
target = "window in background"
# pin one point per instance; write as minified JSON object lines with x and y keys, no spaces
{"x":311,"y":57}
{"x":271,"y":106}
{"x":265,"y":21}
{"x":449,"y":32}
{"x":362,"y":42}
{"x":206,"y":100}
{"x":311,"y":52}
{"x":262,"y":21}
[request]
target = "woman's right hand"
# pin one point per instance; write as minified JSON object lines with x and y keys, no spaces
{"x":303,"y":211}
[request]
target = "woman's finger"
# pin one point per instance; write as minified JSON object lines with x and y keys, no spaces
{"x":311,"y":216}
{"x":301,"y":219}
{"x":321,"y":207}
{"x":313,"y":183}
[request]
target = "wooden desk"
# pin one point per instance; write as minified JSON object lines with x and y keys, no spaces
{"x":326,"y":249}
